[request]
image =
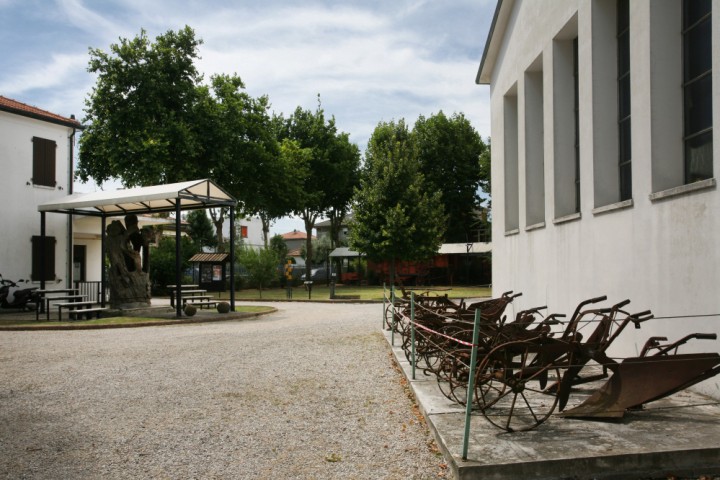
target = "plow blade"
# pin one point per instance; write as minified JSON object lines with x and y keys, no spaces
{"x":640,"y":380}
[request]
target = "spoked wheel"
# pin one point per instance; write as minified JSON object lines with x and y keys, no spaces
{"x":452,"y":375}
{"x":512,"y":391}
{"x":389,"y":317}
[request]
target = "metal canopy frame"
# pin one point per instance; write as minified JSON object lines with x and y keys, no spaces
{"x":173,"y":197}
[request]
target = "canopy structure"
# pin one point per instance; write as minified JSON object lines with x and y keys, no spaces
{"x":154,"y":199}
{"x":172,"y":197}
{"x":464,"y":248}
{"x":344,"y":252}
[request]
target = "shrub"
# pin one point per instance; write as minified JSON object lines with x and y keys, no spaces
{"x":190,"y":310}
{"x":223,"y":307}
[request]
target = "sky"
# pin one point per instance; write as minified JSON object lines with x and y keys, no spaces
{"x":369,"y":60}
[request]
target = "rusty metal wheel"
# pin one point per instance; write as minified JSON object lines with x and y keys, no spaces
{"x":513,"y":392}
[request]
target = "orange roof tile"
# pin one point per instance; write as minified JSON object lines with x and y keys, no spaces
{"x":13,"y":106}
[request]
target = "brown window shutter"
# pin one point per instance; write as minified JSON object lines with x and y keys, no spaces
{"x":44,"y":151}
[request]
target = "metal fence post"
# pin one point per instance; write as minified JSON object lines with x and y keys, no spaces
{"x":392,"y":328}
{"x":384,"y":313}
{"x":471,"y":383}
{"x":412,"y":332}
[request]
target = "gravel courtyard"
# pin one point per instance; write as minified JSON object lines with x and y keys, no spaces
{"x":307,"y":392}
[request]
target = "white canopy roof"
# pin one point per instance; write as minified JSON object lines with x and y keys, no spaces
{"x":344,"y":252}
{"x":457,"y":248}
{"x":445,"y":249}
{"x":158,"y":198}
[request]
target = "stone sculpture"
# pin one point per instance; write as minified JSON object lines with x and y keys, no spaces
{"x":128,"y":251}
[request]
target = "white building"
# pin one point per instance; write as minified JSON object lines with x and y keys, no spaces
{"x":36,"y":150}
{"x":603,"y":159}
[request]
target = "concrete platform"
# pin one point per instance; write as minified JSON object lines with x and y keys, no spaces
{"x":677,"y":437}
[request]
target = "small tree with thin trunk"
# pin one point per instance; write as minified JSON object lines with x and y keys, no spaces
{"x":395,"y":216}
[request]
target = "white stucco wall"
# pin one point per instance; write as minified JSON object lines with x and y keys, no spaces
{"x":20,"y":218}
{"x":255,"y":234}
{"x":660,"y":251}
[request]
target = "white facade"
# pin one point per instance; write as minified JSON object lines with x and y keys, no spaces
{"x":658,"y":248}
{"x":21,"y":195}
{"x":253,"y":226}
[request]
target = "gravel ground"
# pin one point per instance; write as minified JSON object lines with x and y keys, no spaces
{"x":308,"y":392}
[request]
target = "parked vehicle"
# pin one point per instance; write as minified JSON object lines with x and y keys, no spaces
{"x":317,"y":275}
{"x":13,"y":295}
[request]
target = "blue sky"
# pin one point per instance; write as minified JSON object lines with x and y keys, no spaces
{"x":369,"y":60}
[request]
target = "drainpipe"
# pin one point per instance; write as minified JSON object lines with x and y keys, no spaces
{"x":71,"y":174}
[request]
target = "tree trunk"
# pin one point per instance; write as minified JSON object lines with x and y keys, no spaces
{"x":218,"y":218}
{"x":265,"y":229}
{"x":309,"y":224}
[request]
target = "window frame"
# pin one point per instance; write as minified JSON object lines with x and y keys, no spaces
{"x":689,"y":176}
{"x":623,"y":93}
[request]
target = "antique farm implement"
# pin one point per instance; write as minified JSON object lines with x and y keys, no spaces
{"x":526,"y":367}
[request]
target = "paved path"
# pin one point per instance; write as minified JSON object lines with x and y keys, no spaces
{"x":307,"y":392}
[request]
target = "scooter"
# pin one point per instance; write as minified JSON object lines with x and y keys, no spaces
{"x":13,"y":295}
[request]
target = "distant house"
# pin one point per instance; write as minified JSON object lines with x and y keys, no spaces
{"x":249,"y":230}
{"x":36,"y":151}
{"x":323,"y":229}
{"x":295,"y":241}
{"x":603,"y":159}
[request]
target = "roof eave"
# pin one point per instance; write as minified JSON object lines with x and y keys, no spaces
{"x":36,"y":116}
{"x":497,"y":31}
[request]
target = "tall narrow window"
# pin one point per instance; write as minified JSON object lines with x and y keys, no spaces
{"x":44,"y":162}
{"x":576,"y":82}
{"x":510,"y":161}
{"x":623,"y":89}
{"x":697,"y":89}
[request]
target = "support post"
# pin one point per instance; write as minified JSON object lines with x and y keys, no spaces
{"x":178,"y":262}
{"x":471,"y":384}
{"x":384,"y":312}
{"x":103,"y":247}
{"x":412,"y":332}
{"x":43,"y":268}
{"x":392,"y":325}
{"x":232,"y":259}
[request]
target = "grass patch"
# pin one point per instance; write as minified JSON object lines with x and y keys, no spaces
{"x":322,"y":292}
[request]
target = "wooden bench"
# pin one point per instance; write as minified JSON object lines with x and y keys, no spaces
{"x":71,"y":306}
{"x":196,"y":299}
{"x":87,"y":312}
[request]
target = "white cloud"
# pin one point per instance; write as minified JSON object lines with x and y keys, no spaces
{"x":57,"y":72}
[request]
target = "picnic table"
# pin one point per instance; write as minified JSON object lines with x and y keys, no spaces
{"x":72,"y":298}
{"x":190,"y":293}
{"x":45,"y":296}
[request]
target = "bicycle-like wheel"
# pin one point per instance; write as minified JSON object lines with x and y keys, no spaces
{"x":512,"y":390}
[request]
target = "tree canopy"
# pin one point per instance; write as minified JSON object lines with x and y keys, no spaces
{"x":200,"y":229}
{"x":141,"y":115}
{"x":396,"y":217}
{"x":327,"y":165}
{"x":449,"y":152}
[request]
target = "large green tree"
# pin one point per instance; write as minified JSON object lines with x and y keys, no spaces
{"x":326,"y":155}
{"x":152,"y":120}
{"x":449,"y":150}
{"x":141,"y":116}
{"x":396,"y":216}
{"x":240,"y":150}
